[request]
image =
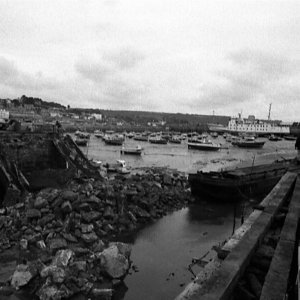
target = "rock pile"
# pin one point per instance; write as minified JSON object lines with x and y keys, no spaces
{"x":63,"y":237}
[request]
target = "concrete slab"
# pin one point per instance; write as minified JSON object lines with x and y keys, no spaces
{"x":276,"y":281}
{"x":277,"y":278}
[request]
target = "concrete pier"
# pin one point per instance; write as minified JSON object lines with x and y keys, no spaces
{"x":221,"y":278}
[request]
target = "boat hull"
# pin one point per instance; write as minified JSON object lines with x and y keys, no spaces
{"x":224,"y":186}
{"x":161,"y":142}
{"x":131,"y":152}
{"x":203,"y":147}
{"x":249,"y":144}
{"x":114,"y":142}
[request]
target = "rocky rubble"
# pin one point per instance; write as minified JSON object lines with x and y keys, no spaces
{"x":63,"y":238}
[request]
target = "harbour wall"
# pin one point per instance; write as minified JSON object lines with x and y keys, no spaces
{"x":31,"y":151}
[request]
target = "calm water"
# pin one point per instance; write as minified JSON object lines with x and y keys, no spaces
{"x":163,"y":251}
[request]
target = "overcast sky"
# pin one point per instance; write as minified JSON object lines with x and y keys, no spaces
{"x":188,"y":56}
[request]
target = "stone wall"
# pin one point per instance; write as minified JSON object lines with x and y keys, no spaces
{"x":31,"y":151}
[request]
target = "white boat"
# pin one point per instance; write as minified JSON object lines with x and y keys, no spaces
{"x":258,"y":127}
{"x":132,"y":151}
{"x":205,"y":144}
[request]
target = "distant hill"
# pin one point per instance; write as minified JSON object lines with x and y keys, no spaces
{"x":37,"y":102}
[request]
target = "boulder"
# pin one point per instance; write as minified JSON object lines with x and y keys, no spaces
{"x":57,"y":274}
{"x":40,"y":203}
{"x":21,"y":276}
{"x":69,"y":196}
{"x":115,"y":264}
{"x":89,"y":238}
{"x":23,"y":244}
{"x":66,"y":207}
{"x":108,"y":213}
{"x":124,"y":249}
{"x":33,"y":213}
{"x":56,"y":244}
{"x":46,"y":219}
{"x":48,"y":292}
{"x":90,"y":216}
{"x":62,"y":257}
{"x":86,"y":228}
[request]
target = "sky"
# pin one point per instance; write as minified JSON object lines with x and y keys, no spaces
{"x":187,"y":56}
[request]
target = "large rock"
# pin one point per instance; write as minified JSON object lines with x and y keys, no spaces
{"x":56,"y":244}
{"x":114,"y":263}
{"x":69,"y":196}
{"x":33,"y":213}
{"x":57,"y":274}
{"x":40,"y":203}
{"x":21,"y":276}
{"x":90,"y":216}
{"x":124,"y":249}
{"x":66,"y":207}
{"x":108,"y":213}
{"x":89,"y":238}
{"x":62,"y":257}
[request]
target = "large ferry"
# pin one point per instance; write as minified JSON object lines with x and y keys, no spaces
{"x":254,"y":126}
{"x":257,"y":127}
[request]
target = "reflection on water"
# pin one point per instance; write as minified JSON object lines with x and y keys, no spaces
{"x":162,"y":251}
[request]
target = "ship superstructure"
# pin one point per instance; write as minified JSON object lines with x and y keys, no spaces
{"x":258,"y":127}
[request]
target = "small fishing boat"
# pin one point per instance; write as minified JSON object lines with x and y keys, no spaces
{"x":290,"y":138}
{"x":205,"y":145}
{"x":82,"y":135}
{"x":81,"y":141}
{"x":132,"y":151}
{"x":175,"y":140}
{"x":141,"y":137}
{"x":248,"y":144}
{"x":240,"y":183}
{"x":98,"y":134}
{"x":274,"y":138}
{"x":157,"y":140}
{"x":114,"y":139}
{"x":119,"y":167}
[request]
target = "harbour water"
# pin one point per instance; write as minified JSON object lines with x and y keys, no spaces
{"x":162,"y":251}
{"x":177,"y":156}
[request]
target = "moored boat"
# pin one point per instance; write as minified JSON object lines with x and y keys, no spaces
{"x":157,"y":140}
{"x":237,"y":184}
{"x":290,"y":138}
{"x":205,"y":145}
{"x":274,"y":138}
{"x":141,"y":137}
{"x":81,"y":141}
{"x":175,"y":140}
{"x":115,"y":139}
{"x":248,"y":144}
{"x":132,"y":151}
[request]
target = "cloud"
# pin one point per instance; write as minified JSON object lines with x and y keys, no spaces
{"x":125,"y":58}
{"x":251,"y":77}
{"x":12,"y":77}
{"x":95,"y":71}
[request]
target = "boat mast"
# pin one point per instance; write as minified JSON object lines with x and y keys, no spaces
{"x":269,"y":116}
